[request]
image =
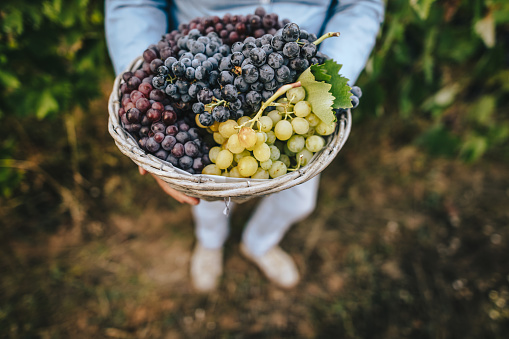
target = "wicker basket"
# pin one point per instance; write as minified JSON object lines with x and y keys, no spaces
{"x":214,"y":187}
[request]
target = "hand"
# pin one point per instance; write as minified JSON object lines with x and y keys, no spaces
{"x":180,"y":197}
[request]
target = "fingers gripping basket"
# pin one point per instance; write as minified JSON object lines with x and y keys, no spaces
{"x":219,"y":188}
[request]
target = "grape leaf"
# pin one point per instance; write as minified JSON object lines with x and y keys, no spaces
{"x":319,"y":96}
{"x":329,"y":72}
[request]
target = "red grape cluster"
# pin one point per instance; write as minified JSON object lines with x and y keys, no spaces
{"x":160,"y":128}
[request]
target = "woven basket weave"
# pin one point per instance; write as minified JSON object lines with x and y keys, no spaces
{"x":219,"y":188}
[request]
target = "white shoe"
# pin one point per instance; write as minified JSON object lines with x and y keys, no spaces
{"x":277,"y":265}
{"x":206,"y":268}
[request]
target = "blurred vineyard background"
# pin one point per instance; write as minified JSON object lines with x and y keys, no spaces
{"x":410,"y":238}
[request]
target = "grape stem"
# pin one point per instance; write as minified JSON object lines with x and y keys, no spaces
{"x":282,"y":90}
{"x":325,"y":36}
{"x":298,"y":164}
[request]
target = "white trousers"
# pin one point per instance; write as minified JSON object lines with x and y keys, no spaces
{"x":272,"y":218}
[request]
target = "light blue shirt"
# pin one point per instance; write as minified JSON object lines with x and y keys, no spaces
{"x":132,"y":25}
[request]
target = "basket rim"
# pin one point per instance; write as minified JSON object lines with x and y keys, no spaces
{"x":203,"y":186}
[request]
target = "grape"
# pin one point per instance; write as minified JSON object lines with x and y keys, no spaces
{"x":325,"y":129}
{"x":304,"y":156}
{"x":274,"y":116}
{"x":290,"y":32}
{"x":246,"y":49}
{"x":198,"y":164}
{"x":315,"y":143}
{"x":206,"y":119}
{"x":265,"y":123}
{"x":250,"y":73}
{"x":218,"y":138}
{"x":291,"y":50}
{"x":271,"y":137}
{"x":277,"y":42}
{"x":224,"y":159}
{"x":283,"y":75}
{"x":277,"y":169}
{"x":220,"y":113}
{"x":168,"y":142}
{"x":308,"y":50}
{"x":247,"y":137}
{"x":355,"y":101}
{"x":233,"y":144}
{"x":177,"y":150}
{"x":313,"y":120}
{"x":266,"y":73}
{"x":238,"y":156}
{"x":298,"y":64}
{"x":178,"y":68}
{"x":169,"y":117}
{"x":275,"y":60}
{"x":261,"y":137}
{"x":185,"y":162}
{"x":225,"y":77}
{"x":234,"y":173}
{"x":198,"y":108}
{"x":296,"y":94}
{"x":247,"y":166}
{"x":191,"y":149}
{"x":145,"y":88}
{"x":275,"y":153}
{"x":253,"y":98}
{"x":151,"y":145}
{"x":142,"y":104}
{"x":266,"y":165}
{"x":356,"y":91}
{"x":182,"y":137}
{"x":296,"y":143}
{"x":283,"y":130}
{"x":229,"y":92}
{"x":257,"y":86}
{"x":300,"y":125}
{"x":241,"y":84}
{"x":237,"y":58}
{"x":227,"y":128}
{"x":260,"y":174}
{"x":133,"y":115}
{"x":302,"y":109}
{"x":262,"y":152}
{"x":257,"y":56}
{"x":214,"y":151}
{"x":205,"y":96}
{"x":211,"y":170}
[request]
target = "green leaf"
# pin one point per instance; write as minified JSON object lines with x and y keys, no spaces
{"x":9,"y":80}
{"x":422,"y":7}
{"x":319,"y":96}
{"x":485,"y":28}
{"x":340,"y":89}
{"x":46,"y":104}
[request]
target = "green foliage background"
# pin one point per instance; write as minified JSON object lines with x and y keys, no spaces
{"x":444,"y":64}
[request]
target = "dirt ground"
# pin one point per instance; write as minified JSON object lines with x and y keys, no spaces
{"x":401,"y":245}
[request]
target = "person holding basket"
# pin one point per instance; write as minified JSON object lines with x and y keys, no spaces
{"x":132,"y":25}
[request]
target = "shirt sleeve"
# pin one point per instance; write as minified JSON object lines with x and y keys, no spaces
{"x":358,"y":22}
{"x":131,"y":26}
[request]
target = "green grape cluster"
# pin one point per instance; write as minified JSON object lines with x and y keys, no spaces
{"x":281,"y":140}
